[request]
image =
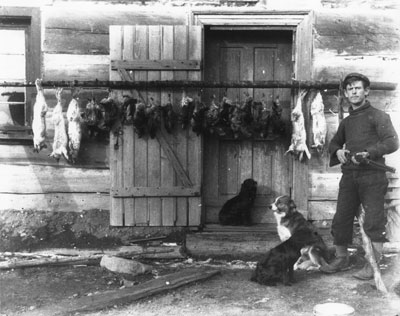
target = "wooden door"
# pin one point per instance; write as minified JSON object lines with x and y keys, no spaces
{"x":254,"y":56}
{"x":155,"y":182}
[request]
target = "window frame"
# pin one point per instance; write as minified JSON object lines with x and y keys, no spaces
{"x":28,"y":19}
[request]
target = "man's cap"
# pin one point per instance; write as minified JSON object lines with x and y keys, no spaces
{"x":356,"y":75}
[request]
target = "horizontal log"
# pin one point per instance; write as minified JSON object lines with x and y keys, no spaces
{"x":343,"y":23}
{"x":164,"y":64}
{"x":48,"y":179}
{"x":151,"y":252}
{"x":359,"y":44}
{"x":97,"y":18}
{"x":75,"y":67}
{"x":381,"y":99}
{"x":55,"y":202}
{"x":121,"y":85}
{"x":67,"y":41}
{"x":58,"y":261}
{"x":329,"y":64}
{"x":91,"y":155}
{"x":155,"y":191}
{"x":325,"y":186}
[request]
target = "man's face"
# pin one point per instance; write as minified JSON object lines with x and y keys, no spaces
{"x":356,"y":93}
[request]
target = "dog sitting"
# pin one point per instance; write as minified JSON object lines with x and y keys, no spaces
{"x":237,"y":210}
{"x":278,"y":263}
{"x":289,"y":220}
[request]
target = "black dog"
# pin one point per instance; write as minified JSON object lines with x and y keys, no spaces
{"x":277,"y":265}
{"x":236,"y":211}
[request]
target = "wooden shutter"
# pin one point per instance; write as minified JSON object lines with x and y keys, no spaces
{"x":156,"y":182}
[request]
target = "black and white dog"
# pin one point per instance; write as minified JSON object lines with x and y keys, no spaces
{"x":277,"y":265}
{"x":237,"y":210}
{"x":288,"y":221}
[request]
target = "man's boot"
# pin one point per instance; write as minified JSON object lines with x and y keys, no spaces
{"x":367,"y":273}
{"x":340,"y":263}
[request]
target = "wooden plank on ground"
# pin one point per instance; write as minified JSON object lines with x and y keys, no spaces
{"x":130,"y":294}
{"x":45,"y":262}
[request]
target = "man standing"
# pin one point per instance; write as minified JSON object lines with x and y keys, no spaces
{"x":365,"y":133}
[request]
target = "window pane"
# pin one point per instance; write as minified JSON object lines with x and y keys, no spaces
{"x":12,"y":106}
{"x":12,"y":55}
{"x":12,"y":68}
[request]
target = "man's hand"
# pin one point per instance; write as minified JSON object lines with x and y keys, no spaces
{"x":341,"y":155}
{"x":359,"y":157}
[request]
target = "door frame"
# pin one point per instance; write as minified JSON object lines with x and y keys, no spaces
{"x":300,"y":23}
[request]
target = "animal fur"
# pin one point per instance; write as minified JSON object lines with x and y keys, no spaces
{"x":241,"y":118}
{"x":261,"y":117}
{"x":168,"y":115}
{"x":318,"y":123}
{"x":237,"y":210}
{"x":128,"y":109}
{"x":277,"y":265}
{"x":298,"y":144}
{"x":140,"y":119}
{"x":213,"y":119}
{"x":311,"y":258}
{"x":198,"y":120}
{"x":92,"y":117}
{"x":289,"y":221}
{"x":153,"y":114}
{"x":60,"y":142}
{"x":278,"y":125}
{"x":39,"y":119}
{"x":187,"y":108}
{"x":74,"y":129}
{"x":109,"y":113}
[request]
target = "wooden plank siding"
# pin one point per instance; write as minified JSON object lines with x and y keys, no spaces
{"x":153,"y":165}
{"x":76,"y":44}
{"x":344,"y":42}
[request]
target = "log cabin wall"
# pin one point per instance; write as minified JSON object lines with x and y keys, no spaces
{"x":75,"y":46}
{"x":367,"y":41}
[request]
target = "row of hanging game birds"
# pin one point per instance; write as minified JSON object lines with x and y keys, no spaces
{"x":227,"y":118}
{"x":239,"y":120}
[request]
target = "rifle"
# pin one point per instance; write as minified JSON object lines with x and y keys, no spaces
{"x":365,"y":161}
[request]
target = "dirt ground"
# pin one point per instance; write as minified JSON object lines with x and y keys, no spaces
{"x":34,"y":291}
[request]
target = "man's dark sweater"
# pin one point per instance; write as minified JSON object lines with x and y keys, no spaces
{"x":364,"y":129}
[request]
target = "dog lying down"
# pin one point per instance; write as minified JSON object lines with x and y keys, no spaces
{"x":278,"y":264}
{"x":289,"y":221}
{"x":237,"y":210}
